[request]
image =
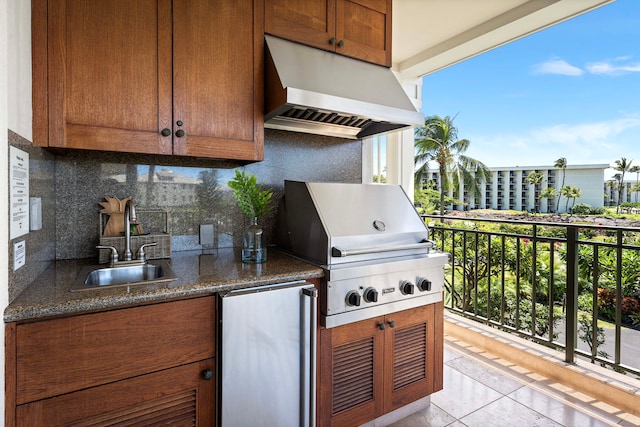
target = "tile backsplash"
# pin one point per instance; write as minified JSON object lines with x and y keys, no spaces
{"x":190,"y":191}
{"x":40,"y":244}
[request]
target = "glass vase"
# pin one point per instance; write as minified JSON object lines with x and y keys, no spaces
{"x":254,"y":248}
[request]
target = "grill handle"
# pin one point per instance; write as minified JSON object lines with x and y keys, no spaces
{"x":340,"y":253}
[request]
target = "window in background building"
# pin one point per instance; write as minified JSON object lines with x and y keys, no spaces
{"x":379,"y":159}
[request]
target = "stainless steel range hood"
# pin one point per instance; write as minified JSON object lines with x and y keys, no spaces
{"x":313,"y":91}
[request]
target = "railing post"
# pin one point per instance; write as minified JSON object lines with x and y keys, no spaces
{"x":571,"y":314}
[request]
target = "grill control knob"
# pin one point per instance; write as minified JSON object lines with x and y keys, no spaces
{"x":353,"y":298}
{"x":406,"y":287}
{"x":370,"y":295}
{"x":424,"y":284}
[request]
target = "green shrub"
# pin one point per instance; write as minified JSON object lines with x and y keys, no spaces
{"x":607,"y":303}
{"x":585,"y":303}
{"x":630,"y":205}
{"x":586,"y":209}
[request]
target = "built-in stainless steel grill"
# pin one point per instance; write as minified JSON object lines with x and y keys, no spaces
{"x":372,"y":244}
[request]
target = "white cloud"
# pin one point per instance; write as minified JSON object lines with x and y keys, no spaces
{"x":613,"y":69}
{"x":601,"y":133}
{"x":557,"y":66}
{"x":583,"y":143}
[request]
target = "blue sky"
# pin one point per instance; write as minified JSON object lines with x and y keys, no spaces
{"x":572,"y":90}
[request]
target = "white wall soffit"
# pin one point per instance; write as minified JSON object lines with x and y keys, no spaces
{"x":526,"y":18}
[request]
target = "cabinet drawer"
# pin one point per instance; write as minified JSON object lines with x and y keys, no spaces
{"x":64,"y":355}
{"x":176,"y":396}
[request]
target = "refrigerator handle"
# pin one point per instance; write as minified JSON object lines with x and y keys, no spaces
{"x":310,"y":405}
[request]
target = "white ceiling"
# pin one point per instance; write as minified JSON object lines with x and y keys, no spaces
{"x":429,"y":35}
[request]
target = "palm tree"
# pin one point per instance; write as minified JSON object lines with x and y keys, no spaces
{"x":615,"y":185}
{"x":574,"y":193}
{"x":566,"y":192}
{"x":562,"y":164}
{"x":636,"y":170}
{"x":438,"y":140}
{"x":535,"y":179}
{"x":622,"y":166}
{"x":611,"y":185}
{"x":635,"y":188}
{"x":548,"y":193}
{"x":570,"y":193}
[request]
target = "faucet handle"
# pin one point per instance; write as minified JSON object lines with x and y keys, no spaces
{"x":141,"y":255}
{"x":113,"y":257}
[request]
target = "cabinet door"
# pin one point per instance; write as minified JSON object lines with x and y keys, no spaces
{"x":366,"y":372}
{"x":363,"y":30}
{"x":310,"y":22}
{"x":108,"y":74}
{"x":217,"y":77}
{"x":177,"y":396}
{"x":410,"y":356}
{"x":351,"y":373}
{"x":64,"y":355}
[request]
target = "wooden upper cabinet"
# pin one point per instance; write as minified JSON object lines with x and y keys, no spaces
{"x":311,"y":22}
{"x":360,"y":29}
{"x":118,"y":75}
{"x":108,"y":73}
{"x":217,"y":75}
{"x":365,"y":28}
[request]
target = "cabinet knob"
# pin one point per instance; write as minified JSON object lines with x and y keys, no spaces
{"x":341,"y":43}
{"x":179,"y":133}
{"x":381,"y":326}
{"x":166,"y":132}
{"x":392,"y":323}
{"x":207,"y":374}
{"x":179,"y":123}
{"x":332,"y":40}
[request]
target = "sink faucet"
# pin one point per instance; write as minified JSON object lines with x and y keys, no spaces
{"x":127,"y":256}
{"x":129,"y":215}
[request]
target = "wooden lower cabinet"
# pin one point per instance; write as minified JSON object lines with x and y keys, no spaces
{"x":176,"y":396}
{"x":144,"y":365}
{"x":372,"y":367}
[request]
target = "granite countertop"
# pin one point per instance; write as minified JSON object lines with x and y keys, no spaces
{"x":199,"y":273}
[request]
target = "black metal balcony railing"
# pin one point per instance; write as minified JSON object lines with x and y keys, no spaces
{"x":566,"y":286}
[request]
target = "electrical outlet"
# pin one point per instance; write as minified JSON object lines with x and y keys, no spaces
{"x":35,"y":217}
{"x":206,"y":235}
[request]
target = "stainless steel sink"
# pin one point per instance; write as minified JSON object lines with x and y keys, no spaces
{"x":96,"y":277}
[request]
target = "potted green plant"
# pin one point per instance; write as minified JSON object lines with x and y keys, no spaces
{"x":254,"y":201}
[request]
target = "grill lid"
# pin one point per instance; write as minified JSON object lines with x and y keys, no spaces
{"x":335,"y":223}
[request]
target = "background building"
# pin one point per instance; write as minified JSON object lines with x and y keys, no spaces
{"x":630,"y":192}
{"x":508,"y":189}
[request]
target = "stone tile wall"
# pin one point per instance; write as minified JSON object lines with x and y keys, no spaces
{"x":190,"y":191}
